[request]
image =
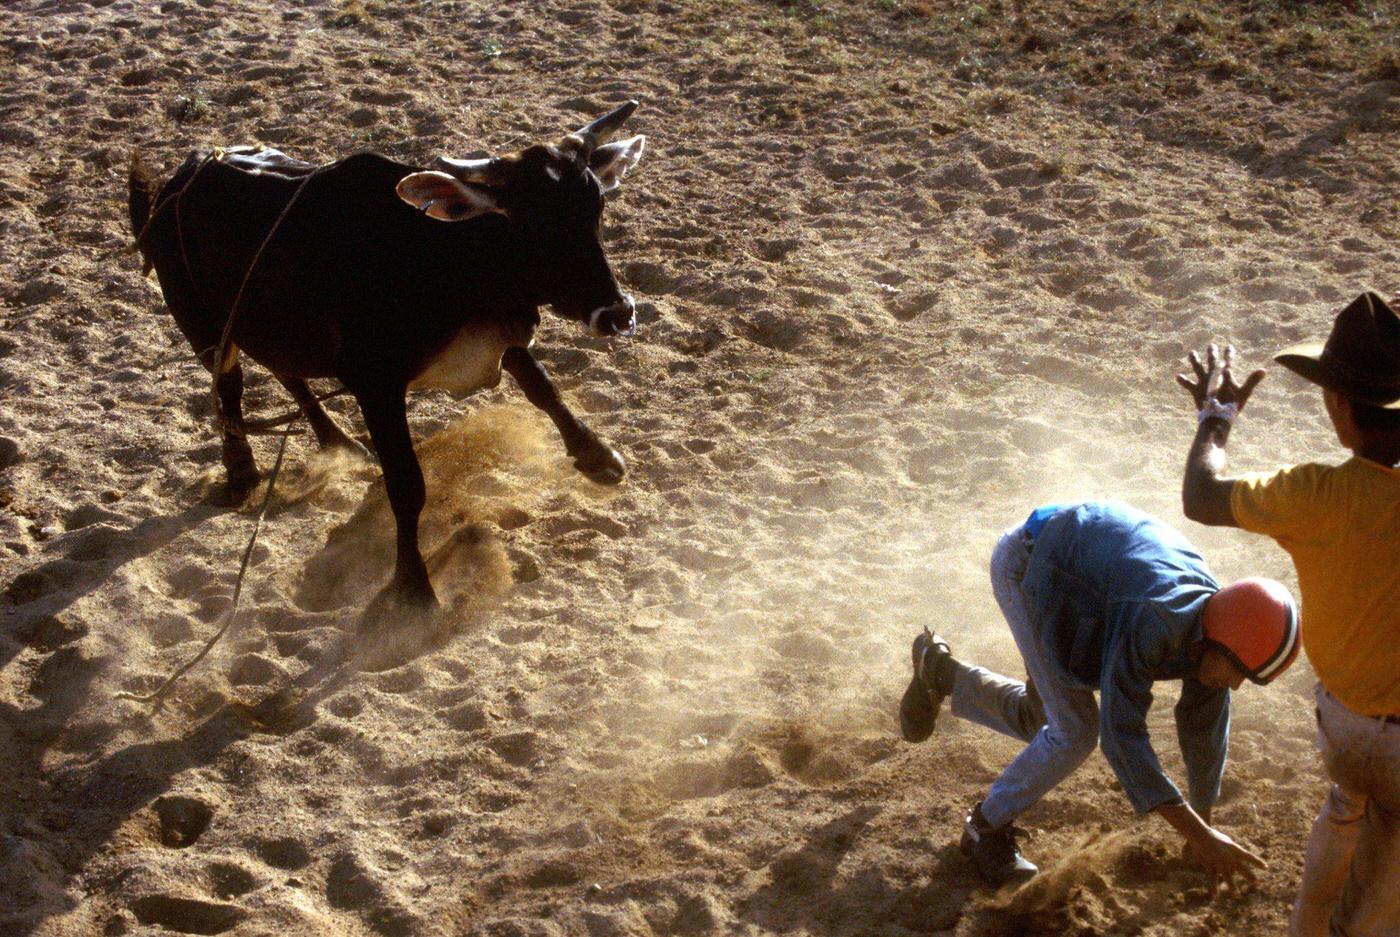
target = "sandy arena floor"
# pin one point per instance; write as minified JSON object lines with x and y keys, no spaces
{"x":905,"y":269}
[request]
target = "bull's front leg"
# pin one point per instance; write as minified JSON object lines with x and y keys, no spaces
{"x":594,"y":458}
{"x":385,"y":415}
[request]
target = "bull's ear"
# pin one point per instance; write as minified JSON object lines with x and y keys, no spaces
{"x":438,"y":195}
{"x":611,"y":162}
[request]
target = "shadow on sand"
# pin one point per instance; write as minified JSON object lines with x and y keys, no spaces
{"x":807,"y":895}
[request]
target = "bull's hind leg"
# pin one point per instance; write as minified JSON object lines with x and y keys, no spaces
{"x":591,"y":455}
{"x":201,"y":327}
{"x":239,"y":464}
{"x":329,"y":435}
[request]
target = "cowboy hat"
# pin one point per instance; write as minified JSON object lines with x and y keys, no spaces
{"x":1361,"y":358}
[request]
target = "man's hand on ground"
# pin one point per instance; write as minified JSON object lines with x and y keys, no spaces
{"x":1223,"y":859}
{"x":1217,"y":853}
{"x":1214,"y":378}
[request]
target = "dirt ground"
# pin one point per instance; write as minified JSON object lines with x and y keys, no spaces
{"x":904,"y":270}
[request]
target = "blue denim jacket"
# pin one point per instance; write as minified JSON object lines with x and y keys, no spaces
{"x":1116,"y":598}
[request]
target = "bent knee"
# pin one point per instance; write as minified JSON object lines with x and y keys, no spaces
{"x":1077,"y":741}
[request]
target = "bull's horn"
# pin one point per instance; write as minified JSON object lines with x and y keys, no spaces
{"x":602,"y":129}
{"x":481,"y":171}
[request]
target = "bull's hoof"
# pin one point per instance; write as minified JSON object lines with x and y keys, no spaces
{"x":236,"y":492}
{"x":400,"y":598}
{"x":240,"y":468}
{"x":396,"y":627}
{"x":347,"y":444}
{"x":602,"y":465}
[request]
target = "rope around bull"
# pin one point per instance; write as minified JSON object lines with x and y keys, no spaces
{"x":158,"y":695}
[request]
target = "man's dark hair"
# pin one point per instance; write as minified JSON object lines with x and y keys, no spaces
{"x":1370,"y":418}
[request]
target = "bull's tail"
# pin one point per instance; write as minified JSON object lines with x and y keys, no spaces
{"x":138,"y":202}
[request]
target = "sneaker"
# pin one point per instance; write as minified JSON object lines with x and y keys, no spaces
{"x":918,"y":710}
{"x":994,"y":851}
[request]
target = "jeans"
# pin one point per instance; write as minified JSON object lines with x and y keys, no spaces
{"x":1351,"y":877}
{"x":1060,"y":722}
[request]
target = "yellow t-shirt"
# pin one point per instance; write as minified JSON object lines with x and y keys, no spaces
{"x":1341,"y":525}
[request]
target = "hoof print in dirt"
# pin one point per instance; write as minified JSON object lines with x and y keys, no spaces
{"x":355,"y":885}
{"x":284,"y":853}
{"x":183,"y":820}
{"x":228,"y":880}
{"x":230,"y":495}
{"x":48,"y":634}
{"x":390,"y":610}
{"x":187,"y":915}
{"x":280,"y":713}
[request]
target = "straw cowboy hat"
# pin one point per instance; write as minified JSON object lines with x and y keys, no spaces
{"x":1361,"y":357}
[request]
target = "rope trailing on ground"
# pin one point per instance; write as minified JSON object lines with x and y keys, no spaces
{"x":221,"y":360}
{"x":165,"y":687}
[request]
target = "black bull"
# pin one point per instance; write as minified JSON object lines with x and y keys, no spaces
{"x":388,"y":277}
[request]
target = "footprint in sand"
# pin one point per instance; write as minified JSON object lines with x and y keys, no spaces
{"x":810,"y":645}
{"x":284,"y":853}
{"x":254,"y":670}
{"x":172,"y":628}
{"x":468,"y":717}
{"x":589,"y":520}
{"x":820,"y":759}
{"x":521,"y":749}
{"x":183,"y":820}
{"x":229,"y":880}
{"x":354,"y":885}
{"x":400,"y":680}
{"x":48,"y":633}
{"x":187,"y":915}
{"x":747,"y":766}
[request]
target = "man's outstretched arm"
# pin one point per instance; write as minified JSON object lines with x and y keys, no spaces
{"x":1205,"y":490}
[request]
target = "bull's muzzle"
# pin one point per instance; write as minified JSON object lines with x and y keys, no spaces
{"x":618,"y":319}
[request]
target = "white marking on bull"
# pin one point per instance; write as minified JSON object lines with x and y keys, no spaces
{"x":472,"y":360}
{"x":595,"y":320}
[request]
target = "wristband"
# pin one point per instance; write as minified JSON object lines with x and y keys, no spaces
{"x":1215,"y":409}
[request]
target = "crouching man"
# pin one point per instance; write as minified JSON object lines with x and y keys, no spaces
{"x":1101,"y":597}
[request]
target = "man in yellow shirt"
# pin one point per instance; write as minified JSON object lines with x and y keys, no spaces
{"x":1341,"y":525}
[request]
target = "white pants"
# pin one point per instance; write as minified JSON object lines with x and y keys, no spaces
{"x":1351,"y":877}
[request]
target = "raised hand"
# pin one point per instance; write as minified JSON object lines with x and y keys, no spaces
{"x":1214,"y":378}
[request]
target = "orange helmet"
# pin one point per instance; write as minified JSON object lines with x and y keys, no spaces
{"x":1254,"y":623}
